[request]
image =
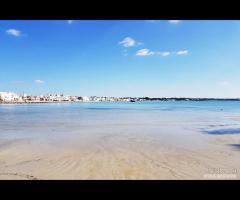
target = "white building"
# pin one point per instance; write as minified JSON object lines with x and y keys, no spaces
{"x":9,"y":97}
{"x":58,"y":97}
{"x":85,"y":98}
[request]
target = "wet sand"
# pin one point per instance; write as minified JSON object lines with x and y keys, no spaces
{"x":118,"y":156}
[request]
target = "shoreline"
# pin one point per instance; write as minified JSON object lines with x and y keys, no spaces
{"x":157,"y":100}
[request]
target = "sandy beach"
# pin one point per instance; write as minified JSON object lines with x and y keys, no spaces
{"x":117,"y":149}
{"x":116,"y":157}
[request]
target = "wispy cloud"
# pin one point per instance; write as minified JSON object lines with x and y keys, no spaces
{"x":69,"y":21}
{"x":129,"y":42}
{"x":39,"y":81}
{"x":174,"y":21}
{"x":182,"y":52}
{"x":148,"y":52}
{"x":14,"y":32}
{"x":224,"y":83}
{"x":125,"y":52}
{"x":144,"y":52}
{"x":165,"y":53}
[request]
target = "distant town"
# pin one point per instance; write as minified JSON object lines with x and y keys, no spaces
{"x":11,"y":97}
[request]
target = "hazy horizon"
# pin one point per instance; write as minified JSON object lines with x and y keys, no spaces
{"x":121,"y":58}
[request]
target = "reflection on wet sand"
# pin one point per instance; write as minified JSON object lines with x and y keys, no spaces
{"x":223,"y":131}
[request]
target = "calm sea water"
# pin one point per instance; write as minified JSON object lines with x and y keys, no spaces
{"x":37,"y":120}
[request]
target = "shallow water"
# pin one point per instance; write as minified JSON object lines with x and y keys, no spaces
{"x":210,"y":116}
{"x":145,"y":131}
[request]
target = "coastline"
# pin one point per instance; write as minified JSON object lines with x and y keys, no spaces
{"x":45,"y":102}
{"x":135,"y":100}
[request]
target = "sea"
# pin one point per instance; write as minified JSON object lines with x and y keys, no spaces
{"x":203,"y":117}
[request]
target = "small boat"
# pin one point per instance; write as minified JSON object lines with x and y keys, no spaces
{"x":132,"y":100}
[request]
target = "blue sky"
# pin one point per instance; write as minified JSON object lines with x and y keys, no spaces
{"x":156,"y":58}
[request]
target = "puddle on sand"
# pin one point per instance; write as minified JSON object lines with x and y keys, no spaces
{"x":235,"y":146}
{"x":223,"y":131}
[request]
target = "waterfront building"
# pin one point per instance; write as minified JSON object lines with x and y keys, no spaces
{"x":85,"y":98}
{"x":9,"y":97}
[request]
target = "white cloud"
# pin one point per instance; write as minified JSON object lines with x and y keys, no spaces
{"x":38,"y":81}
{"x":69,"y":21}
{"x":173,"y":21}
{"x":144,"y":52}
{"x":147,"y":52}
{"x":165,"y":53}
{"x":14,"y":32}
{"x":129,"y":42}
{"x":182,"y":52}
